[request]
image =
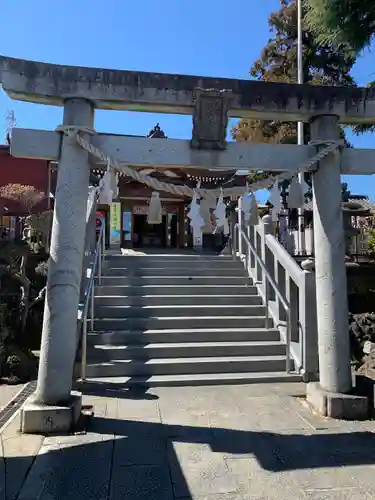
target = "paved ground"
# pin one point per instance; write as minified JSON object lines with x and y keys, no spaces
{"x":211,"y":443}
{"x":7,"y":393}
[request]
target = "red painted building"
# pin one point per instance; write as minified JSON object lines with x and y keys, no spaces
{"x":21,"y":171}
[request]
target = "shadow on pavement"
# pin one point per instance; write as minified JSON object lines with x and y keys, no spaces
{"x":139,"y":460}
{"x":103,"y":390}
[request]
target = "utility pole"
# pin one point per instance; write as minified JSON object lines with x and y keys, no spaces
{"x":10,"y":123}
{"x":300,"y":135}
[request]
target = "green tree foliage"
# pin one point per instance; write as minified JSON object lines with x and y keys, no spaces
{"x":322,"y":65}
{"x":346,"y":24}
{"x":23,"y":269}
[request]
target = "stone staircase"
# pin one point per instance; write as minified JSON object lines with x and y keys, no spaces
{"x":181,"y":320}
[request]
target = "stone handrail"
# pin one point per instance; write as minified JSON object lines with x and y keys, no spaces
{"x":295,"y":284}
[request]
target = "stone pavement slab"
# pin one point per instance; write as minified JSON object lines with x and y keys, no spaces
{"x":8,"y":392}
{"x":17,"y":454}
{"x":194,"y":468}
{"x":139,"y":450}
{"x":257,"y":442}
{"x":139,"y":483}
{"x":340,"y":494}
{"x":71,"y":469}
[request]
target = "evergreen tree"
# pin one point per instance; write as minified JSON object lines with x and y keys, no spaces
{"x":349,"y":24}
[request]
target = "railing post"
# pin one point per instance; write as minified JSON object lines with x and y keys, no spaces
{"x":84,"y":347}
{"x":233,"y":234}
{"x":280,"y":279}
{"x":257,"y":244}
{"x":308,"y":322}
{"x":292,"y":299}
{"x":92,"y":308}
{"x":240,"y":226}
{"x":101,"y":254}
{"x":100,"y":262}
{"x":103,"y":242}
{"x":250,"y":257}
{"x":266,"y":228}
{"x":251,"y":234}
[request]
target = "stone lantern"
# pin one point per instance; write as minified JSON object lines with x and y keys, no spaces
{"x":351,"y":209}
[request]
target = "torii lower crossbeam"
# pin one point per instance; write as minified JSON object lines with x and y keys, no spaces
{"x":142,"y":152}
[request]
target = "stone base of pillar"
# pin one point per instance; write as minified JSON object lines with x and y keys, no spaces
{"x":310,"y":377}
{"x":336,"y":405}
{"x":44,"y":419}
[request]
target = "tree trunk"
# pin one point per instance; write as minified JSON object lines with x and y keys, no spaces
{"x":25,"y":292}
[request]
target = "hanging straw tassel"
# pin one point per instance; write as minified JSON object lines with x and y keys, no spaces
{"x":275,"y":200}
{"x":296,"y":197}
{"x":114,"y":182}
{"x":246,"y":201}
{"x":220,"y":213}
{"x":220,"y":210}
{"x":106,"y":193}
{"x":194,"y":214}
{"x":253,"y":217}
{"x":194,"y":207}
{"x":206,"y":206}
{"x":155,"y":215}
{"x":197,"y":222}
{"x":108,"y":186}
{"x":246,"y":205}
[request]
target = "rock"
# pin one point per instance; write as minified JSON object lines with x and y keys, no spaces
{"x":368,"y":347}
{"x":20,"y":365}
{"x":362,"y":339}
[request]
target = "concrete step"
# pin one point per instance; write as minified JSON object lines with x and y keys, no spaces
{"x":185,"y":335}
{"x":105,"y":352}
{"x":110,"y":311}
{"x":171,"y":260}
{"x":187,"y":270}
{"x":118,"y":383}
{"x":177,"y":264}
{"x":185,"y":366}
{"x":157,"y":322}
{"x":176,"y":300}
{"x":140,"y":289}
{"x":221,"y":281}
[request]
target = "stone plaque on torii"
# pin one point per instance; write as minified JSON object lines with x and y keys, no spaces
{"x":210,"y":101}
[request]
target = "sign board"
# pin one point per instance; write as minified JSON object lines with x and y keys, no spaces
{"x":100,"y":219}
{"x":127,"y":225}
{"x":140,"y":210}
{"x":115,"y":223}
{"x":143,"y":209}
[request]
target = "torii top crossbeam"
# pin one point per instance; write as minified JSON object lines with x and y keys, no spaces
{"x":165,"y":93}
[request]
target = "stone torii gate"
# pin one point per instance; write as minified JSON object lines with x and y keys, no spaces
{"x":210,"y":101}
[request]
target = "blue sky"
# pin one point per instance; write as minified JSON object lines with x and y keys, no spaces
{"x":173,"y":36}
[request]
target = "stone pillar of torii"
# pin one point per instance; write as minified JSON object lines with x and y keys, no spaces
{"x":81,"y":90}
